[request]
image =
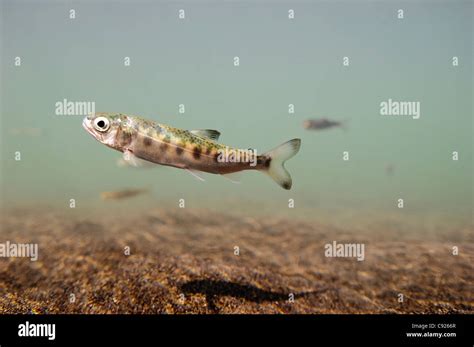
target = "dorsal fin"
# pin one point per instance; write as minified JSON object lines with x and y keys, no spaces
{"x":207,"y":133}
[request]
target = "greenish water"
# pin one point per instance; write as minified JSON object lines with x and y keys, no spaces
{"x":282,"y":62}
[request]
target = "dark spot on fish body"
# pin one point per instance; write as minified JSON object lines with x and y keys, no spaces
{"x":179,"y":150}
{"x":147,"y":141}
{"x":264,"y":161}
{"x":216,"y":157}
{"x":197,"y":153}
{"x":124,"y":138}
{"x":164,"y":147}
{"x":267,"y":162}
{"x":208,"y":150}
{"x":286,"y":185}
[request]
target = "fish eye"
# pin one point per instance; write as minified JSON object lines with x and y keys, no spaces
{"x":101,"y":124}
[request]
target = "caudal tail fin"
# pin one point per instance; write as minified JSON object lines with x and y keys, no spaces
{"x":275,"y":160}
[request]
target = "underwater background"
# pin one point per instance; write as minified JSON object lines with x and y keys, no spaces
{"x":282,"y":61}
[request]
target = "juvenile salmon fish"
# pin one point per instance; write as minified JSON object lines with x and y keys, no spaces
{"x":322,"y":123}
{"x":122,"y":194}
{"x":193,"y":150}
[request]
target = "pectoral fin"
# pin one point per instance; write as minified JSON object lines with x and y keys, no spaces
{"x":136,"y":162}
{"x":130,"y":158}
{"x":207,"y":133}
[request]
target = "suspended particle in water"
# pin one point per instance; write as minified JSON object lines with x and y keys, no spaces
{"x":181,"y":108}
{"x":181,"y":14}
{"x":291,"y":14}
{"x":455,"y":155}
{"x":455,"y":61}
{"x":17,"y":155}
{"x":17,"y":61}
{"x":236,"y":61}
{"x":345,"y":61}
{"x":401,"y":14}
{"x":72,"y":13}
{"x":345,"y":155}
{"x":126,"y":61}
{"x":72,"y":203}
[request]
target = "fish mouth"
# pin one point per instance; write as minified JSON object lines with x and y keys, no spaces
{"x":84,"y":124}
{"x":87,"y":125}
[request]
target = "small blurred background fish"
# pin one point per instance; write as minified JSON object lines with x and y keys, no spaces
{"x":389,"y":169}
{"x":123,"y":194}
{"x":323,"y":123}
{"x":26,"y":131}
